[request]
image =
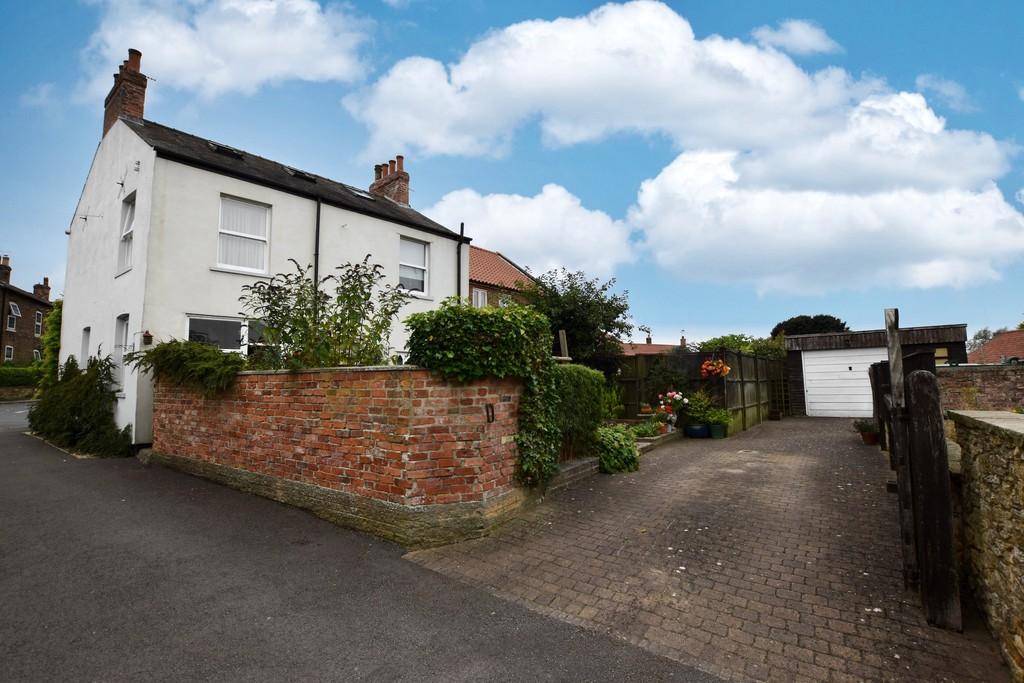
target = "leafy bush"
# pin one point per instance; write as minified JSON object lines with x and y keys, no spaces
{"x":612,"y":402}
{"x":647,"y":429}
{"x":50,"y":363}
{"x":196,"y":365}
{"x":865,"y":426}
{"x":696,"y":411}
{"x":580,"y":395}
{"x":78,"y":411}
{"x":616,"y":449}
{"x":305,"y":327}
{"x":466,"y":343}
{"x":718,"y":416}
{"x":14,"y":376}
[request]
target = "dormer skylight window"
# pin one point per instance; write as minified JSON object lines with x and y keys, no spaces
{"x":300,"y":174}
{"x":225,"y":149}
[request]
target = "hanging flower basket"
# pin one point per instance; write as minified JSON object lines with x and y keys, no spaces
{"x":714,"y":367}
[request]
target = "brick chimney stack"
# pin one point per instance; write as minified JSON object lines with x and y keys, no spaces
{"x":128,"y":95}
{"x":5,"y":269}
{"x":390,"y":180}
{"x":42,"y":290}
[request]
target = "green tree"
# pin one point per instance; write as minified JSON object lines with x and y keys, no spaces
{"x":982,"y":337}
{"x":51,"y":348}
{"x":595,"y":319}
{"x":810,"y":324}
{"x":768,"y":347}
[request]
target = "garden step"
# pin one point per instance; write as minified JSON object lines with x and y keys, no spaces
{"x":572,"y":471}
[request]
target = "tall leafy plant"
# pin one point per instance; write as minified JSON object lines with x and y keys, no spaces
{"x":50,"y":363}
{"x":344,"y":319}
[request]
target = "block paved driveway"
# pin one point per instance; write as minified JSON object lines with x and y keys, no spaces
{"x":771,"y":555}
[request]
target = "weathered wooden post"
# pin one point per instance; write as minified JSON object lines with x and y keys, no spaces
{"x":933,"y":508}
{"x":900,"y":448}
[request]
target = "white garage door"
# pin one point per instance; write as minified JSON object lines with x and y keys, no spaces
{"x":836,"y":382}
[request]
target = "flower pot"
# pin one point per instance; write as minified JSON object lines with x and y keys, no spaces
{"x":869,"y":438}
{"x":663,"y":428}
{"x":717,"y":431}
{"x":697,"y":431}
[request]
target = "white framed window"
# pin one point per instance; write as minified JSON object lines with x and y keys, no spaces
{"x":244,"y":235}
{"x":37,"y":354}
{"x":85,"y":346}
{"x":124,"y":246}
{"x":8,"y":354}
{"x":13,"y":313}
{"x":227,"y":334}
{"x":479,"y":298}
{"x":413,"y":268}
{"x":504,"y":300}
{"x":39,"y":323}
{"x":122,"y":345}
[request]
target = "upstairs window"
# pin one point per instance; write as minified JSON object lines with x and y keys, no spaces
{"x":39,"y":323}
{"x":13,"y":313}
{"x":124,"y":248}
{"x":479,"y":298}
{"x":244,"y":235}
{"x":412,"y":266}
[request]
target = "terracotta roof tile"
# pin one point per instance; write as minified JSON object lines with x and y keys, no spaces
{"x":491,"y":268}
{"x":1003,"y":345}
{"x":631,"y":349}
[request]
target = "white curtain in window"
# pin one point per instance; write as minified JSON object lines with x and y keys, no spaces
{"x":244,"y":218}
{"x":242,"y":252}
{"x":414,"y":253}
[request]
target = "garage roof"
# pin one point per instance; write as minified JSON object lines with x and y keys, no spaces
{"x":864,"y":339}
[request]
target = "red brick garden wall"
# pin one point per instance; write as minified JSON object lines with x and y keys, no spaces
{"x":397,"y":434}
{"x":981,"y":387}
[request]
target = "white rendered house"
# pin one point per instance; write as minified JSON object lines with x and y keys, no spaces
{"x":170,"y":226}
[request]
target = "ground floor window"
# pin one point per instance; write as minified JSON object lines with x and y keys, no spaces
{"x":36,"y":355}
{"x":227,"y":334}
{"x":479,"y":298}
{"x":8,"y":353}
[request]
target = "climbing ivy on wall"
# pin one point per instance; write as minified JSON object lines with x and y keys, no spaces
{"x":465,"y":343}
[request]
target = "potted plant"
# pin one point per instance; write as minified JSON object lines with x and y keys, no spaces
{"x":670,"y":404}
{"x":694,"y":414}
{"x":868,"y":429}
{"x":718,"y":420}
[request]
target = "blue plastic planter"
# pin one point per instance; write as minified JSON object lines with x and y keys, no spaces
{"x":697,"y":431}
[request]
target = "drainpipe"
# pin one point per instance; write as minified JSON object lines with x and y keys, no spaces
{"x":316,"y":258}
{"x":458,"y":260}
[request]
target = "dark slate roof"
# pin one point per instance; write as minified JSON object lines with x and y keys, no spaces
{"x":220,"y":158}
{"x":26,"y":294}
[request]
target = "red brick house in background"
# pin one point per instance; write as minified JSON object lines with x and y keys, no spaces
{"x":649,"y":349}
{"x":493,"y":278}
{"x":1002,"y":348}
{"x":23,"y":314}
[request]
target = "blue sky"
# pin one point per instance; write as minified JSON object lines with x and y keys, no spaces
{"x":730,"y":169}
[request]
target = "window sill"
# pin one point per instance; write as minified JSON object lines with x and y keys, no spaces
{"x":126,"y":270}
{"x":232,"y":271}
{"x":420,"y":295}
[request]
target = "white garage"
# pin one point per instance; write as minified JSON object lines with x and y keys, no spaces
{"x":827,"y":373}
{"x":836,"y":381}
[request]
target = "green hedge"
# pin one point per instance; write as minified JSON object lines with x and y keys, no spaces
{"x":12,"y":376}
{"x":196,"y":365}
{"x":581,"y":407}
{"x":466,"y":343}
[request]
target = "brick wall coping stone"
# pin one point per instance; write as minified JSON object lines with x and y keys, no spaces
{"x":343,"y":368}
{"x":1004,"y":421}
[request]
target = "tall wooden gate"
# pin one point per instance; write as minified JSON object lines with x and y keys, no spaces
{"x":905,"y":392}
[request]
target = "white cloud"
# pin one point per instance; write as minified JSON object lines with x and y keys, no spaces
{"x":1019,"y":196}
{"x":216,"y":46}
{"x":950,"y":93}
{"x":790,"y":180}
{"x":38,"y":96}
{"x":702,"y":222}
{"x":542,"y":232}
{"x":798,"y":37}
{"x":1020,"y":93}
{"x":634,"y":67}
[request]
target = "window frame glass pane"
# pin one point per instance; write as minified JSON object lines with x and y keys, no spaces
{"x":479,"y":297}
{"x":8,"y":353}
{"x":422,"y":268}
{"x":261,"y":239}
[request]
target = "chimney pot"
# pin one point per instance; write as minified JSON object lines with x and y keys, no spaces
{"x":401,"y":162}
{"x":134,"y":60}
{"x":5,"y":269}
{"x":391,"y":166}
{"x":376,"y":171}
{"x":392,"y":181}
{"x":648,"y":339}
{"x":46,"y":281}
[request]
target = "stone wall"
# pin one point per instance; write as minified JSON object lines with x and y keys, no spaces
{"x":992,"y":500}
{"x":981,"y":387}
{"x":395,"y":451}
